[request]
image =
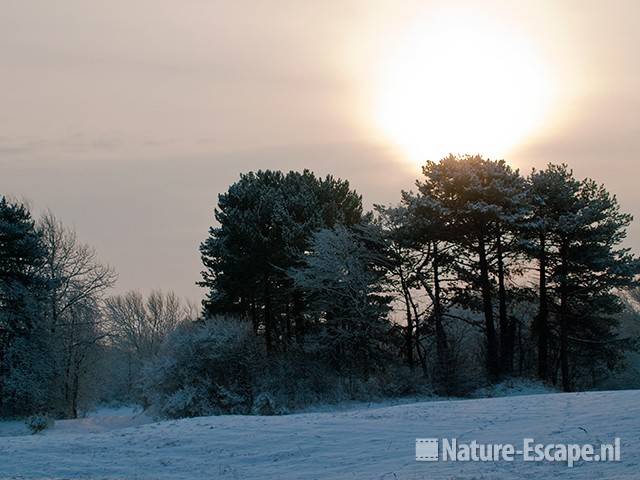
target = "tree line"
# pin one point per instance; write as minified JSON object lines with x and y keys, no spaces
{"x":477,"y":243}
{"x":63,"y":342}
{"x":478,"y":274}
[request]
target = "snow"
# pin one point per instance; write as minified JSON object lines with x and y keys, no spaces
{"x":10,"y":428}
{"x":513,"y":387}
{"x":102,"y":420}
{"x":366,"y":443}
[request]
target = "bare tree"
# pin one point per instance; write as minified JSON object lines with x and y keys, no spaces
{"x":80,"y":341}
{"x":138,"y":326}
{"x":73,"y":269}
{"x":78,"y":282}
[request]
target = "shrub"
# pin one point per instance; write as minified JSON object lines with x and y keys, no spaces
{"x":205,"y":369}
{"x":38,"y":423}
{"x":266,"y":404}
{"x":221,"y":367}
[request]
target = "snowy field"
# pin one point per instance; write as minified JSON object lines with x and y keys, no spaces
{"x":363,"y":443}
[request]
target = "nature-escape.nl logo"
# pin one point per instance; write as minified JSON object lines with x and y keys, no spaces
{"x":450,"y":450}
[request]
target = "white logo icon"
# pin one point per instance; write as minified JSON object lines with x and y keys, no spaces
{"x":426,"y":449}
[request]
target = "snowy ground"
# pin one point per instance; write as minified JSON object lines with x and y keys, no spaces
{"x":366,"y":443}
{"x":102,"y":420}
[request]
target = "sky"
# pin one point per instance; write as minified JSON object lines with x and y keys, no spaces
{"x":128,"y":118}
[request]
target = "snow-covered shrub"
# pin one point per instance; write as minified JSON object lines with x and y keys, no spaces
{"x":188,"y":401}
{"x":513,"y":387}
{"x":205,"y":369}
{"x":221,"y":367}
{"x":266,"y":404}
{"x":38,"y":423}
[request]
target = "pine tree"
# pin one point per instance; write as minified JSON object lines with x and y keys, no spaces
{"x":405,"y":260}
{"x":481,"y":204}
{"x":552,"y":195}
{"x":576,"y":231}
{"x":22,"y":291}
{"x":592,"y":269}
{"x":266,"y":221}
{"x":423,"y":239}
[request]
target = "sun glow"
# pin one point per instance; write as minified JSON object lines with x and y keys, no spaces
{"x":460,"y":84}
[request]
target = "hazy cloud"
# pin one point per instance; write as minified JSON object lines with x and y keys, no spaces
{"x":127,"y":118}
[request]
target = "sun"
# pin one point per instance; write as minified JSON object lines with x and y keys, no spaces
{"x":460,"y":84}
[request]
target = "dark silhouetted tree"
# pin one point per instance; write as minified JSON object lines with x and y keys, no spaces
{"x":265,"y":223}
{"x":22,"y":292}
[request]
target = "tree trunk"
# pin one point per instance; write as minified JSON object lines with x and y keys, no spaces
{"x":3,"y":369}
{"x":268,"y":320}
{"x":520,"y":351}
{"x":419,"y":347}
{"x":75,"y":389}
{"x":442,"y":348}
{"x":67,"y":384}
{"x":409,"y":329}
{"x":254,"y":316}
{"x":423,"y":358}
{"x":564,"y":320}
{"x":493,"y":366}
{"x":286,"y":328}
{"x":506,"y":334}
{"x":299,"y":317}
{"x":543,"y":315}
